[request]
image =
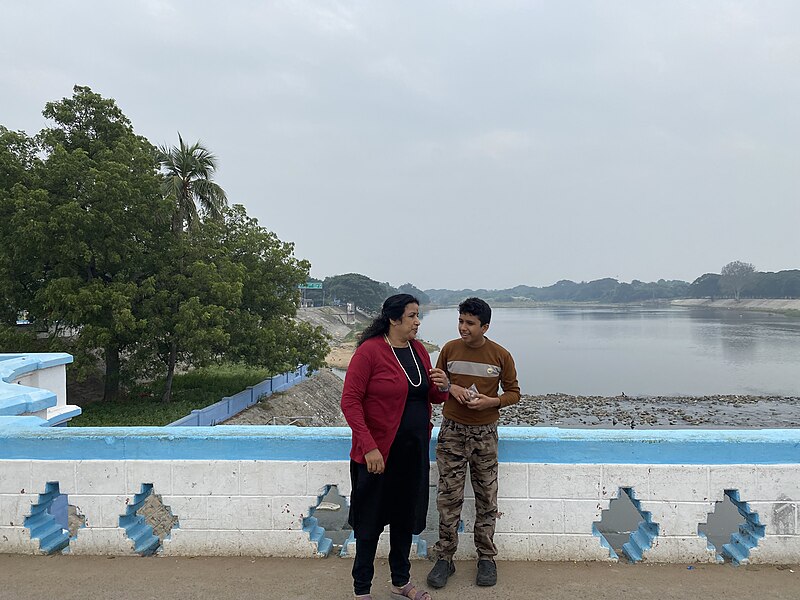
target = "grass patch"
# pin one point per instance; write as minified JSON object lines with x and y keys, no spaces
{"x":190,"y":391}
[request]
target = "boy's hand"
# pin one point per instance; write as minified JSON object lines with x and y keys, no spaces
{"x":482,"y":402}
{"x":461,"y":394}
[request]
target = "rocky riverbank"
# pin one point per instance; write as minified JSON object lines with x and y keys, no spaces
{"x":315,"y":402}
{"x":624,"y":412}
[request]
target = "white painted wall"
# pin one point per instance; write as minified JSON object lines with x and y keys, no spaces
{"x":52,"y":378}
{"x":256,"y":508}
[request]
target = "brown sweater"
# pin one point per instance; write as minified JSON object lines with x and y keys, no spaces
{"x":488,"y":367}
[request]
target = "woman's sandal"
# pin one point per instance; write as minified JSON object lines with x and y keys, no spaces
{"x":409,"y":590}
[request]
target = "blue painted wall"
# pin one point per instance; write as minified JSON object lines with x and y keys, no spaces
{"x":517,"y":444}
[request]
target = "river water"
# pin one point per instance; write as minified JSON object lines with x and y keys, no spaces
{"x":638,"y":351}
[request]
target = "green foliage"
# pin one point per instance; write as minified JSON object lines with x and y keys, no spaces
{"x":194,"y":390}
{"x":18,"y":162}
{"x":359,"y":289}
{"x":229,"y":289}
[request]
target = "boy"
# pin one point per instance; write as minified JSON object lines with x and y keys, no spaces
{"x":468,"y":436}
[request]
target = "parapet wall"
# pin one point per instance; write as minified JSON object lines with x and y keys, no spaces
{"x":245,"y":490}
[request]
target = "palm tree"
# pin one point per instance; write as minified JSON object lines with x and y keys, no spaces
{"x":187,"y":181}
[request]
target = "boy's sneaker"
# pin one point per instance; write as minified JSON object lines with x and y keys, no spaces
{"x":487,"y":573}
{"x":437,"y":578}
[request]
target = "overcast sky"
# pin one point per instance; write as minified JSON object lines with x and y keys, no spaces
{"x":458,"y":144}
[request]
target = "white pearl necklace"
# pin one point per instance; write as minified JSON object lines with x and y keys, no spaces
{"x":413,"y":357}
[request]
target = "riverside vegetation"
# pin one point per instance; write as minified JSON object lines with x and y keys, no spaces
{"x":129,"y":257}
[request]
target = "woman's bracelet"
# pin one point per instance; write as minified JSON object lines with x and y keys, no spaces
{"x":446,"y":389}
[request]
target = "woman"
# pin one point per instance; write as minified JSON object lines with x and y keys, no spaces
{"x":386,"y":400}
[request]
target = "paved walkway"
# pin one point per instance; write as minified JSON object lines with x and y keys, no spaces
{"x":82,"y":578}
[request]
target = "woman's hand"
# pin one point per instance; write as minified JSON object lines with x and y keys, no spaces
{"x":439,"y":379}
{"x":374,"y":460}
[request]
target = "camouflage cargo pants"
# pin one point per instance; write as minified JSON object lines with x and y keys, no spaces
{"x":458,"y":446}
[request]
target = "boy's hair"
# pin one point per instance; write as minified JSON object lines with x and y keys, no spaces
{"x":477,"y":308}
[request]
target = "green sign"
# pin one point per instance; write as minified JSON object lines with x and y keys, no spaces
{"x":310,"y":286}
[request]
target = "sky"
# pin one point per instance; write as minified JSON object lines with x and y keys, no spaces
{"x":458,"y":144}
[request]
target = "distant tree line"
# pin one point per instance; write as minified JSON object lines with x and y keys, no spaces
{"x":736,"y":280}
{"x":599,"y":290}
{"x":129,"y":255}
{"x":741,"y":280}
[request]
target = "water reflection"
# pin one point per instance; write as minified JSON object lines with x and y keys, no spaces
{"x":642,"y":351}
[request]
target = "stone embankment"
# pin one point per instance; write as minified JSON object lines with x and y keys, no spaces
{"x":340,"y":326}
{"x":311,"y":403}
{"x":760,"y":304}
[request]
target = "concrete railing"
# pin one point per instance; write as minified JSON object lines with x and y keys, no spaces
{"x":246,"y":490}
{"x":35,"y":385}
{"x":232,"y":405}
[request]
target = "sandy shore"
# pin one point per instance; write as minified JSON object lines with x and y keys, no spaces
{"x":340,"y":355}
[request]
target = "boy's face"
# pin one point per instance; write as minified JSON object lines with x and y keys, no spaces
{"x":471,"y":330}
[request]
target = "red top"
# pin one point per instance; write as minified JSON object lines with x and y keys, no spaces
{"x":374,"y":396}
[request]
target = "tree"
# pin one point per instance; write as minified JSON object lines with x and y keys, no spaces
{"x":408,"y":288}
{"x":105,"y":258}
{"x":188,"y":172}
{"x":358,"y":289}
{"x":17,"y":162}
{"x":86,"y":226}
{"x":705,"y":286}
{"x":264,"y":330}
{"x":229,"y":291}
{"x":187,"y":183}
{"x":735,"y":276}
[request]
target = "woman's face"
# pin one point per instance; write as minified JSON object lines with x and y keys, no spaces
{"x":406,"y":327}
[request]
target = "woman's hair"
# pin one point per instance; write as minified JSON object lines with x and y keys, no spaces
{"x":393,"y":308}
